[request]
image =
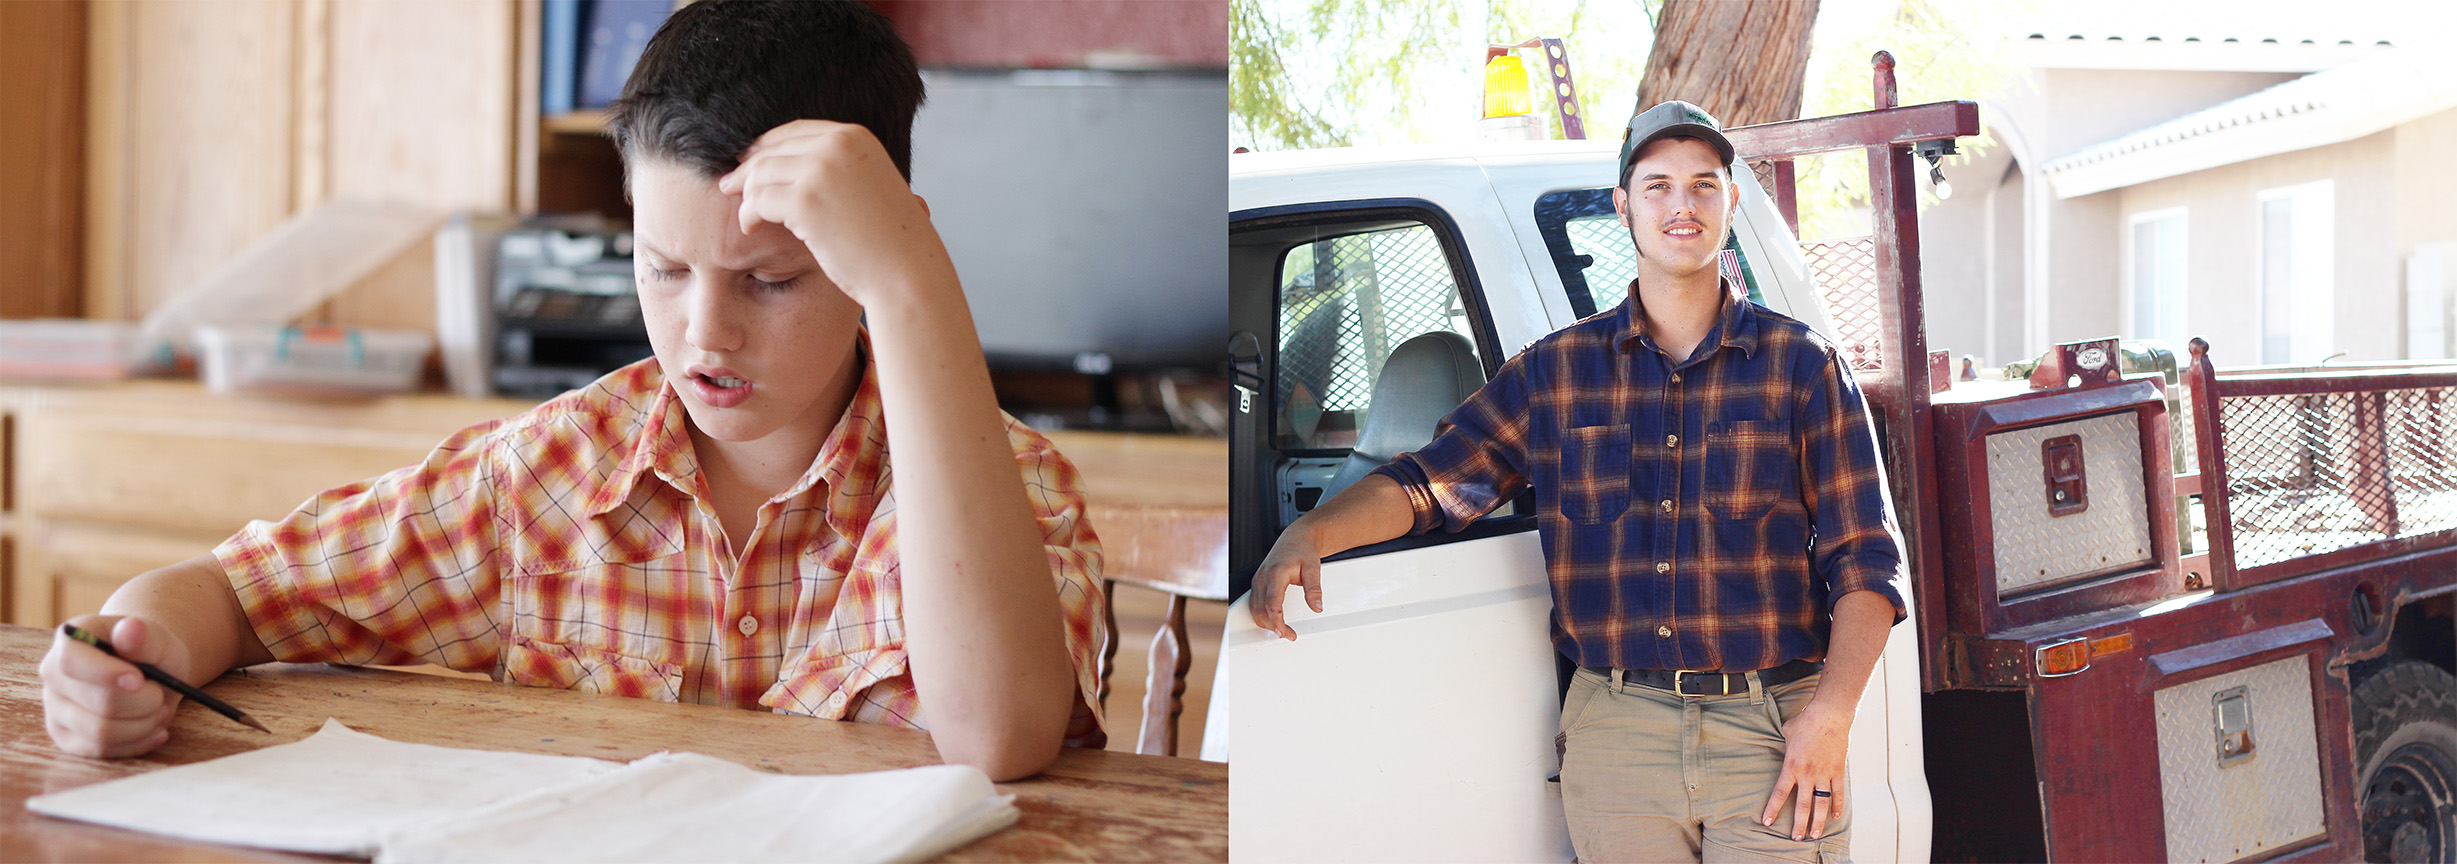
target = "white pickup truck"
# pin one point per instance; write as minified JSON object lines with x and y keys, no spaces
{"x":1413,"y":720}
{"x":2173,"y":671}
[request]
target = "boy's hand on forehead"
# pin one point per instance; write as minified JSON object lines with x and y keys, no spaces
{"x":836,"y":189}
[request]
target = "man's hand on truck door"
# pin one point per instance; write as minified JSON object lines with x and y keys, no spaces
{"x":1368,"y":511}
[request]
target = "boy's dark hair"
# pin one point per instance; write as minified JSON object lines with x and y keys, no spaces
{"x":720,"y":73}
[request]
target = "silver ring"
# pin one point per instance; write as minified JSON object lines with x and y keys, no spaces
{"x":1820,"y":793}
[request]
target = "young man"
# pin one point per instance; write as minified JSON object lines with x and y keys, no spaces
{"x":719,"y":524}
{"x":1715,"y":526}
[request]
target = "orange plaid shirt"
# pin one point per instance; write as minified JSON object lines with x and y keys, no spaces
{"x":569,"y":547}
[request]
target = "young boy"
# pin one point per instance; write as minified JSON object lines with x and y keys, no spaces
{"x":721,"y":524}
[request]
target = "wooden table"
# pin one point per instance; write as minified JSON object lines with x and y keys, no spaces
{"x":1092,"y":806}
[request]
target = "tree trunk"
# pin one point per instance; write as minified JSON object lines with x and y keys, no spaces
{"x":1741,"y":60}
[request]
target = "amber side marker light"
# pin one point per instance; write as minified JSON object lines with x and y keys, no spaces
{"x":2062,"y":658}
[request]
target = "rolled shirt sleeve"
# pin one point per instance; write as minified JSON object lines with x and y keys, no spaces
{"x":1858,"y":546}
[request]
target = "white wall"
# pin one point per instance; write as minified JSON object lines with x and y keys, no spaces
{"x":2224,"y":209}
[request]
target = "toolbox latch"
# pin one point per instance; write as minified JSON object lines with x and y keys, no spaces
{"x":2232,"y":708}
{"x":2068,"y":487}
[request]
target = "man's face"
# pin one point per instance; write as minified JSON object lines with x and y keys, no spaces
{"x":1678,"y":204}
{"x":749,"y":332}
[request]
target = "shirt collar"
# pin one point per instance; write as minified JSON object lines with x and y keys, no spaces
{"x":659,"y":443}
{"x":1735,"y":327}
{"x":854,"y":449}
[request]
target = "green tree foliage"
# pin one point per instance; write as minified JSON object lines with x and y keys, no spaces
{"x":1937,"y":58}
{"x":1322,"y":73}
{"x":1327,"y":73}
{"x":1264,"y":111}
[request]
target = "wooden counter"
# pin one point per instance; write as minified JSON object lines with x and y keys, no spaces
{"x":1092,"y":806}
{"x":99,"y":483}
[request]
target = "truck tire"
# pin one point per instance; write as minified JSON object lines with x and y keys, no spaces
{"x":2405,"y":717}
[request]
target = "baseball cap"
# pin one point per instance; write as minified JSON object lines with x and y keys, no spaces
{"x":1672,"y":118}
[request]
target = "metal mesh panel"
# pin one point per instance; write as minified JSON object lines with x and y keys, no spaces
{"x":1603,"y":239}
{"x":2314,"y":473}
{"x":2420,"y":423}
{"x":1345,"y":303}
{"x":1846,"y":276}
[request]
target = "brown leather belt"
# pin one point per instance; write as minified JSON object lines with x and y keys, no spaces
{"x":1686,"y":683}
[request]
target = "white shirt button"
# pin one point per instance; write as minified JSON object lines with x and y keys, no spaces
{"x":1663,"y":566}
{"x":1667,"y":505}
{"x":1672,"y":440}
{"x":748,"y":625}
{"x":1664,"y":630}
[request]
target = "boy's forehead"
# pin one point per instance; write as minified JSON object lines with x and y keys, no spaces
{"x":678,"y":215}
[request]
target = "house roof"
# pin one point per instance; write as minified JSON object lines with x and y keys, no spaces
{"x":2191,"y":53}
{"x":2211,"y":35}
{"x":2340,"y":104}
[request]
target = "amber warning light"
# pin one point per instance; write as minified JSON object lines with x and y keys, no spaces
{"x":2058,"y":659}
{"x":1505,"y":87}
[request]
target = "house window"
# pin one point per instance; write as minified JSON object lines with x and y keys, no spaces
{"x":2156,"y":280}
{"x":2297,"y":294}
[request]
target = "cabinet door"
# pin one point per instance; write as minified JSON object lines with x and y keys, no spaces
{"x":213,"y":121}
{"x":65,"y":569}
{"x":195,"y":476}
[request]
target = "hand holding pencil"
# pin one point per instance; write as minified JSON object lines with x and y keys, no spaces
{"x":156,"y":675}
{"x":95,"y":696}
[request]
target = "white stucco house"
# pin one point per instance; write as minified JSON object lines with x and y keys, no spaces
{"x":2281,"y":179}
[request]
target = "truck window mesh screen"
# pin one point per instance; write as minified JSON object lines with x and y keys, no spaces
{"x":1846,"y":276}
{"x":2311,"y":473}
{"x":1614,"y":261}
{"x":1345,"y":302}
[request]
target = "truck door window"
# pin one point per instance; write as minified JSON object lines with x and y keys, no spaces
{"x":1341,"y":300}
{"x":1593,"y":253}
{"x":1345,"y":303}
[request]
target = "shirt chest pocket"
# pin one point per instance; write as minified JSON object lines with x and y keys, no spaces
{"x":617,"y":619}
{"x":1748,"y":467}
{"x":860,"y":646}
{"x":1595,"y":466}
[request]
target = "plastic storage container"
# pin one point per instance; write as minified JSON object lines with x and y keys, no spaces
{"x":59,"y":348}
{"x":268,"y":357}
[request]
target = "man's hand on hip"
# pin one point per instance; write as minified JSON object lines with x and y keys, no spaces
{"x":1819,"y":738}
{"x":1820,"y":735}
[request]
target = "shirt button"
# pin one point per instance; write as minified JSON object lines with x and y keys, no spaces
{"x":1667,"y":505}
{"x":1664,"y":630}
{"x":1672,"y":440}
{"x":748,"y":625}
{"x":1676,"y":377}
{"x":1663,"y":566}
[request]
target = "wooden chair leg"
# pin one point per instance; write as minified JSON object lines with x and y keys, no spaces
{"x":1164,"y":692}
{"x":1109,"y":646}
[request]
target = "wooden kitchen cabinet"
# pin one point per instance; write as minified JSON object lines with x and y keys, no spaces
{"x":103,"y":483}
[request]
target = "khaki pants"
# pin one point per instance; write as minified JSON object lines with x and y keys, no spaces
{"x":1650,"y":776}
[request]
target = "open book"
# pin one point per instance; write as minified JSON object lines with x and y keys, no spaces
{"x":342,"y":792}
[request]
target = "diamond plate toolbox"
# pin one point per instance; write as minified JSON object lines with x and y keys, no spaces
{"x":2239,"y":762}
{"x":2035,"y":547}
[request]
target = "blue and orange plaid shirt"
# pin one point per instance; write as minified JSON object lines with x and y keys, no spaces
{"x":570,"y":547}
{"x":1701,"y":514}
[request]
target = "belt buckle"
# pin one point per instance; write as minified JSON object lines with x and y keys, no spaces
{"x":1677,"y":690}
